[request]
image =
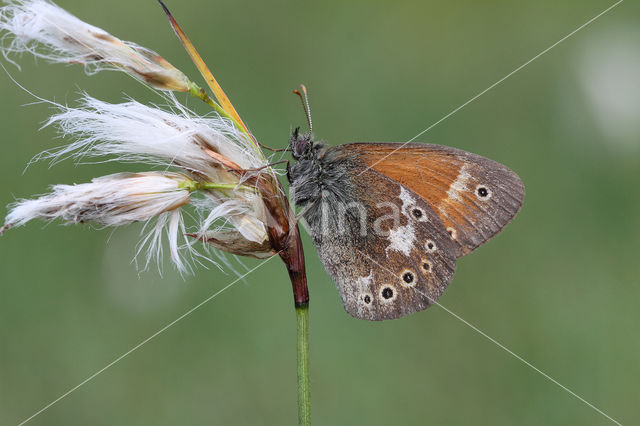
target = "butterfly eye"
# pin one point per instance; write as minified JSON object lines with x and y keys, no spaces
{"x":430,"y":246}
{"x":387,"y":293}
{"x":300,"y":144}
{"x":483,"y":192}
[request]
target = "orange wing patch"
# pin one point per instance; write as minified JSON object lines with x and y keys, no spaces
{"x":474,"y":197}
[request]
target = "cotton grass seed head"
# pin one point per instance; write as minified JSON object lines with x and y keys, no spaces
{"x":229,"y":210}
{"x":210,"y":165}
{"x":112,"y":200}
{"x":47,"y":31}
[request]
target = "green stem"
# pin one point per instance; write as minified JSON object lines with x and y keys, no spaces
{"x":192,"y":186}
{"x":219,"y":186}
{"x":304,"y":399}
{"x":198,"y":92}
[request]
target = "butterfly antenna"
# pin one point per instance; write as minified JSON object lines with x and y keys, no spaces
{"x":304,"y":97}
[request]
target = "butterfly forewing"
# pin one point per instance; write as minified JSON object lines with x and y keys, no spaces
{"x":474,"y":197}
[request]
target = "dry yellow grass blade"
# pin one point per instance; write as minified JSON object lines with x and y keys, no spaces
{"x":222,"y":98}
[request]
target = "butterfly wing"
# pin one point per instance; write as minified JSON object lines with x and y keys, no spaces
{"x":385,"y":248}
{"x":474,"y":197}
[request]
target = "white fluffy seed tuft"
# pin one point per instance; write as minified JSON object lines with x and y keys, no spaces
{"x":114,"y":200}
{"x":135,"y":132}
{"x":43,"y":29}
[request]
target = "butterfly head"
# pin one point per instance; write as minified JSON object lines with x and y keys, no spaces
{"x":301,"y":144}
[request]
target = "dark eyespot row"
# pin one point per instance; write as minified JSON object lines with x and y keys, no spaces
{"x":408,"y":277}
{"x":426,"y":265}
{"x":431,"y":246}
{"x":387,"y":293}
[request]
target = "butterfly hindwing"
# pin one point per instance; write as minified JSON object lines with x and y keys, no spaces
{"x":474,"y":197}
{"x":385,"y":248}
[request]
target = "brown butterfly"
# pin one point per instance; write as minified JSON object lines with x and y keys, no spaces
{"x":389,"y":220}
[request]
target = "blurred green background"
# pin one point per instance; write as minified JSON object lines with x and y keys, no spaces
{"x":560,"y":286}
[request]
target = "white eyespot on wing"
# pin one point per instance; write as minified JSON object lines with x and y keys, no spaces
{"x":419,"y":214}
{"x":402,"y":239}
{"x":460,"y":184}
{"x":483,"y":193}
{"x":409,"y":278}
{"x":366,"y":299}
{"x":430,"y":246}
{"x":387,"y":293}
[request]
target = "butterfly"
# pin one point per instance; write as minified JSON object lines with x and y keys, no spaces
{"x":390,"y":220}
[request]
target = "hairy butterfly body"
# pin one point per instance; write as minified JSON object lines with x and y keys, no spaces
{"x":390,"y":220}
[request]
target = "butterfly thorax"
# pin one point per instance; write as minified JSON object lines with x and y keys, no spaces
{"x":318,"y":178}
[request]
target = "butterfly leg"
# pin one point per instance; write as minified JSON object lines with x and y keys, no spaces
{"x":264,"y":167}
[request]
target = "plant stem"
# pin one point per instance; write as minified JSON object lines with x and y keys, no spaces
{"x":197,"y":92}
{"x":304,"y":398}
{"x":284,"y":236}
